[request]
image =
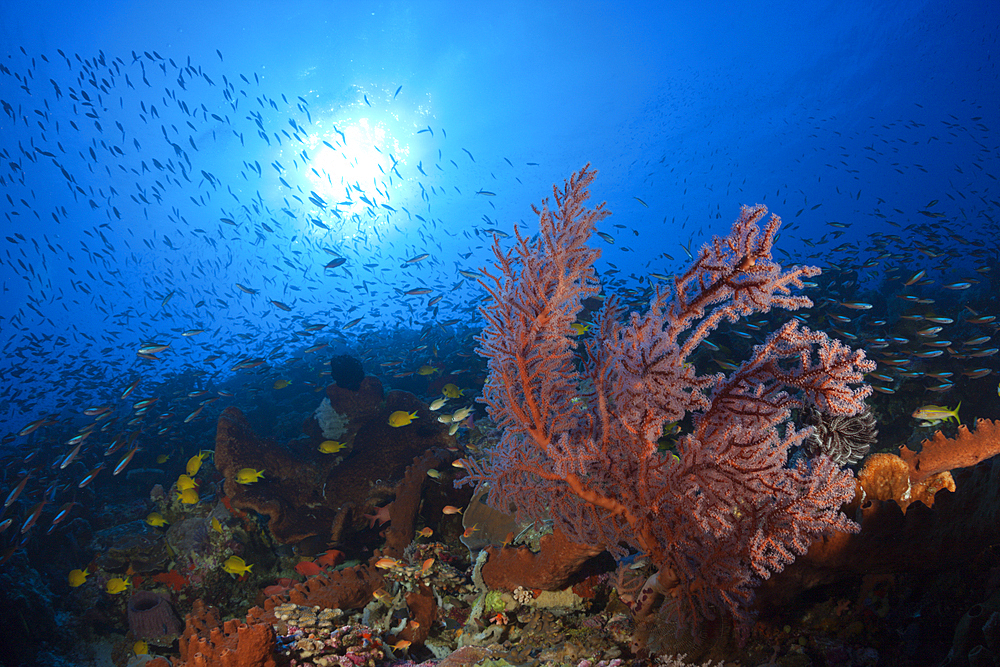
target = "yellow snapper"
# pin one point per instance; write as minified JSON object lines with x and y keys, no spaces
{"x":184,"y":482}
{"x":194,"y":463}
{"x":118,"y":585}
{"x":934,"y":414}
{"x":188,"y":496}
{"x":331,"y":446}
{"x":77,"y":578}
{"x":248,"y":476}
{"x":401,"y":418}
{"x":236,"y":566}
{"x":452,"y":391}
{"x":156,"y":519}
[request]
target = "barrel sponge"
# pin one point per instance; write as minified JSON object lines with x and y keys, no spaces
{"x":150,"y":617}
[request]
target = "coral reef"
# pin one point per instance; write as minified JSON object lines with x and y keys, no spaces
{"x":888,"y":477}
{"x":941,"y":453}
{"x":403,"y":510}
{"x":350,"y":588}
{"x":131,"y":546}
{"x":958,"y":530}
{"x":190,"y":540}
{"x":346,"y":646}
{"x":551,"y":569}
{"x":291,"y":617}
{"x":486,"y":526}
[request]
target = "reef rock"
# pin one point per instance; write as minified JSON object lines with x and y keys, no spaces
{"x":305,"y":493}
{"x":132,"y":545}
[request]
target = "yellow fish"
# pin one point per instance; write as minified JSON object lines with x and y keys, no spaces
{"x":156,"y":519}
{"x":184,"y":482}
{"x":236,"y":566}
{"x":216,"y":526}
{"x":427,"y":370}
{"x":452,"y":391}
{"x":140,"y":648}
{"x":188,"y":496}
{"x":248,"y":476}
{"x":118,"y":585}
{"x":194,"y":463}
{"x":331,"y":446}
{"x":162,"y":458}
{"x":580,"y":328}
{"x":934,"y":414}
{"x":281,"y":384}
{"x":77,"y":578}
{"x":401,"y":418}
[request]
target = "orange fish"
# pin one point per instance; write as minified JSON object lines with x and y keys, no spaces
{"x":426,"y":531}
{"x":331,"y":558}
{"x":402,"y":644}
{"x":427,"y":565}
{"x":308,"y":568}
{"x":451,"y":509}
{"x":386,"y":563}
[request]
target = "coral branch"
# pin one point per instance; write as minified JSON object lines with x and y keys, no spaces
{"x":580,"y":431}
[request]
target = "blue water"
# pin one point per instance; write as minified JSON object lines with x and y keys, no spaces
{"x":180,"y":174}
{"x":825,"y":112}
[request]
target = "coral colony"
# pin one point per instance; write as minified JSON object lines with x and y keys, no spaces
{"x":731,"y":506}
